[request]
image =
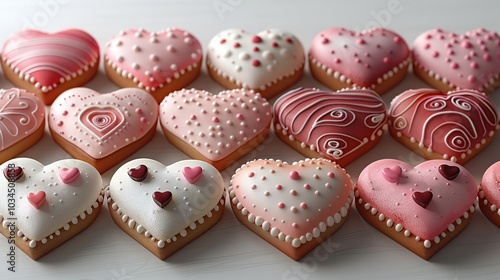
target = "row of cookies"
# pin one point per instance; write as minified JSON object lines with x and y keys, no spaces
{"x":103,"y":129}
{"x":267,"y":62}
{"x":294,"y":207}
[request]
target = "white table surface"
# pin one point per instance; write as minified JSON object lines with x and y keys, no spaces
{"x":230,"y":250}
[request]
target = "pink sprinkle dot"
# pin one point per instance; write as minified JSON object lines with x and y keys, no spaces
{"x":361,"y":41}
{"x":64,"y":113}
{"x":336,"y":60}
{"x":144,"y":120}
{"x":293,"y":209}
{"x":396,"y":39}
{"x":466,"y":45}
{"x":263,"y":178}
{"x":59,"y":123}
{"x":138,"y":111}
{"x":325,"y":41}
{"x":256,"y":39}
{"x":256,"y":63}
{"x":435,"y":54}
{"x":293,"y":192}
{"x":193,"y":117}
{"x":279,"y":187}
{"x":295,"y":225}
{"x":471,"y":78}
{"x":239,"y":116}
{"x":454,"y":65}
{"x":386,"y":60}
{"x":236,"y":45}
{"x":215,"y":119}
{"x":328,"y":186}
{"x":307,"y":186}
{"x":303,"y":205}
{"x":294,"y":175}
{"x":251,"y":174}
{"x":473,"y":65}
{"x":281,"y":205}
{"x":331,"y":174}
{"x":253,"y":187}
{"x":486,"y":57}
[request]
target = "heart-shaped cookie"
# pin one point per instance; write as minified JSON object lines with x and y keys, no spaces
{"x":340,"y":126}
{"x":158,"y":62}
{"x":294,"y":207}
{"x":267,"y":62}
{"x":423,"y":210}
{"x":50,"y":63}
{"x":453,"y":126}
{"x":41,"y":208}
{"x":489,"y":193}
{"x":218,"y":129}
{"x":103,"y":129}
{"x":377,"y":58}
{"x":22,"y":122}
{"x":168,"y":208}
{"x":448,"y":61}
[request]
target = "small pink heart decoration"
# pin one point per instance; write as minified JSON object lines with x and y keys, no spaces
{"x":192,"y":174}
{"x":69,"y":175}
{"x":37,"y":199}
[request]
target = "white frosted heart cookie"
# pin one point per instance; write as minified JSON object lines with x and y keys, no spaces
{"x":165,"y":207}
{"x":41,"y":207}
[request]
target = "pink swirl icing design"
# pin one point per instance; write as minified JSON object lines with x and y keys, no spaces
{"x":21,"y":114}
{"x":468,"y":61}
{"x":47,"y":60}
{"x":335,"y":124}
{"x":102,"y":121}
{"x":364,"y":59}
{"x":152,"y":59}
{"x":450,"y":124}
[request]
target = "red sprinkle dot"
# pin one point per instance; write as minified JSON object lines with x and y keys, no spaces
{"x":59,"y":123}
{"x":275,"y":45}
{"x":307,"y":186}
{"x":251,"y":174}
{"x":239,"y":116}
{"x":193,"y":117}
{"x":215,"y":119}
{"x":396,"y":39}
{"x":222,"y":41}
{"x":236,"y":45}
{"x":486,"y":57}
{"x":435,"y":54}
{"x":294,"y":175}
{"x":473,"y":65}
{"x":361,"y":41}
{"x":64,"y":113}
{"x":293,"y":192}
{"x":295,"y":225}
{"x":279,"y":187}
{"x":144,"y":120}
{"x":281,"y":205}
{"x":256,"y":39}
{"x":303,"y":205}
{"x":471,"y":78}
{"x":466,"y":45}
{"x":331,"y":175}
{"x":386,"y":60}
{"x":454,"y":65}
{"x":256,"y":63}
{"x":256,"y":49}
{"x":289,"y":40}
{"x":138,"y":111}
{"x":325,"y":41}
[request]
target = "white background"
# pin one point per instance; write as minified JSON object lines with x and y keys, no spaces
{"x":229,"y":250}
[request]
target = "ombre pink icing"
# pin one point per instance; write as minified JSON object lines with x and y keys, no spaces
{"x":101,"y":124}
{"x":49,"y":59}
{"x":152,"y":59}
{"x":292,"y":209}
{"x":21,"y":114}
{"x":451,"y":124}
{"x":490,"y":184}
{"x":364,"y":57}
{"x":449,"y":200}
{"x":222,"y":122}
{"x":467,"y":61}
{"x":334,"y":124}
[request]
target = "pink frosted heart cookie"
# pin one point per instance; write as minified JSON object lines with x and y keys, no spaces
{"x":454,"y":126}
{"x":22,"y":122}
{"x":49,"y":208}
{"x":158,"y":62}
{"x":170,"y":206}
{"x":218,"y":129}
{"x":293,"y":207}
{"x":448,"y":61}
{"x":422,"y":208}
{"x":103,"y":129}
{"x":489,"y":194}
{"x":50,"y":63}
{"x":377,"y":59}
{"x":267,"y":62}
{"x":340,"y":126}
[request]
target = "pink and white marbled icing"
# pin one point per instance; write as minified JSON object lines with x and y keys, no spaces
{"x":21,"y":114}
{"x":47,"y":60}
{"x":101,"y":124}
{"x":334,"y":124}
{"x":255,"y":61}
{"x":296,"y":202}
{"x":364,"y":59}
{"x":153,"y":59}
{"x":394,"y":198}
{"x":467,"y":61}
{"x":215,"y":125}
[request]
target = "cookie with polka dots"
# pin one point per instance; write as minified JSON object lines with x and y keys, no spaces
{"x":295,"y":206}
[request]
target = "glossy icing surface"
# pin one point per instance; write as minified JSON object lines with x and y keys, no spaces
{"x":451,"y":124}
{"x":365,"y":58}
{"x":103,"y":123}
{"x":490,"y":184}
{"x":396,"y":201}
{"x":255,"y":61}
{"x":215,"y":125}
{"x":189,"y":202}
{"x":334,"y":124}
{"x":21,"y":114}
{"x":49,"y":59}
{"x":58,"y":203}
{"x":467,"y":61}
{"x":153,"y":59}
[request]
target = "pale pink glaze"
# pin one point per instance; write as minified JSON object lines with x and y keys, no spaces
{"x":468,"y":61}
{"x":451,"y":124}
{"x":152,"y":59}
{"x":47,"y":60}
{"x":364,"y":57}
{"x":215,"y":125}
{"x":490,"y":184}
{"x":292,"y":204}
{"x":101,"y":124}
{"x":334,"y":124}
{"x":255,"y":61}
{"x":21,"y":114}
{"x":451,"y":198}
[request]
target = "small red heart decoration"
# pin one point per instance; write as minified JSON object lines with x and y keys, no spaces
{"x":449,"y":172}
{"x":139,"y":173}
{"x":36,"y":199}
{"x":162,"y":198}
{"x":13,"y":173}
{"x":422,"y":198}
